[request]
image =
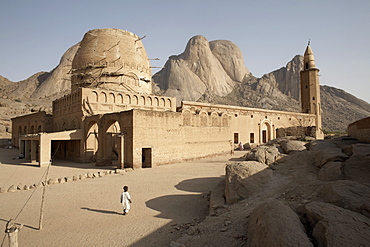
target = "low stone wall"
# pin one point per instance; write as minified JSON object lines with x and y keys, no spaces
{"x":63,"y":180}
{"x":360,"y":130}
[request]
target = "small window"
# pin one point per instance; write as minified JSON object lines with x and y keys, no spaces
{"x":251,"y":139}
{"x":313,"y":98}
{"x":306,"y":86}
{"x":251,"y":116}
{"x":236,"y":137}
{"x":306,"y":65}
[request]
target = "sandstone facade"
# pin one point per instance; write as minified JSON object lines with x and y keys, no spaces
{"x":110,"y":116}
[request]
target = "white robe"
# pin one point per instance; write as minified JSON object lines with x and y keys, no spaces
{"x":125,"y":199}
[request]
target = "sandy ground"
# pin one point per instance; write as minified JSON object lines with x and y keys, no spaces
{"x":88,"y":213}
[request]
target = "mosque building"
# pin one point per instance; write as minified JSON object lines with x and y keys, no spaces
{"x":112,"y":117}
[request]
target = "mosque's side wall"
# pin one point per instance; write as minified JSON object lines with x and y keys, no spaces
{"x":360,"y":130}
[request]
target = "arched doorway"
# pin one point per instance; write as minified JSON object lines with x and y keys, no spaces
{"x":91,"y":144}
{"x":265,"y":133}
{"x":111,"y":141}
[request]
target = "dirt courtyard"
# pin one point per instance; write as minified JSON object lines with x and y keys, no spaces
{"x":88,"y":213}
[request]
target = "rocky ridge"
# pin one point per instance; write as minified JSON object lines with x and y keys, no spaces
{"x":206,"y":71}
{"x":277,"y":90}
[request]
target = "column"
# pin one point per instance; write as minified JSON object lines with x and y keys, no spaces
{"x":27,"y":154}
{"x":44,"y":150}
{"x":33,"y":151}
{"x":121,"y":154}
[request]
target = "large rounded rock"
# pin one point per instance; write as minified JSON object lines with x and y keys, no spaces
{"x":264,"y":154}
{"x":357,"y":167}
{"x":275,"y":224}
{"x":326,"y":155}
{"x":347,"y":194}
{"x":292,"y":145}
{"x":245,"y":179}
{"x":333,"y":226}
{"x":331,"y":171}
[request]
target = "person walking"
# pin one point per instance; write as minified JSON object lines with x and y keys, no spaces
{"x":125,"y":200}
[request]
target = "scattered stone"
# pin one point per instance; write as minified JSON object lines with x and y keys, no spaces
{"x":273,"y":223}
{"x":245,"y":179}
{"x":20,"y":187}
{"x":53,"y":181}
{"x":26,"y":187}
{"x":61,"y":180}
{"x":224,"y":229}
{"x":12,"y":188}
{"x":2,"y":190}
{"x":227,"y":223}
{"x":75,"y":178}
{"x":120,"y":171}
{"x":68,"y":179}
{"x":331,"y":171}
{"x":335,"y":226}
{"x":129,"y":169}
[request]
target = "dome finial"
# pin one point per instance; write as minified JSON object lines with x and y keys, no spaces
{"x":309,"y":41}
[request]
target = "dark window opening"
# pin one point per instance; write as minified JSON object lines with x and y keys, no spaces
{"x":236,"y":137}
{"x":306,"y":65}
{"x":251,"y":139}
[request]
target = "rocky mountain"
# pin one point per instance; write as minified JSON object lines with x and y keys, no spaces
{"x":206,"y":71}
{"x":278,"y":90}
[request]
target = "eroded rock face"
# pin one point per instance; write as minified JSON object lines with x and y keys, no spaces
{"x":275,"y":224}
{"x":334,"y":226}
{"x":214,"y":67}
{"x":245,"y":179}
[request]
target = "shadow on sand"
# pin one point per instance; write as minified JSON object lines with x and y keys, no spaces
{"x":100,"y":210}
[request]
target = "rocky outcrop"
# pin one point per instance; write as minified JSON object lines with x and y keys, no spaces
{"x":52,"y":84}
{"x":212,"y":67}
{"x":357,"y":167}
{"x":347,"y":194}
{"x":206,"y":71}
{"x":291,"y":146}
{"x":264,"y":154}
{"x":331,"y":171}
{"x":334,"y":226}
{"x":275,"y":224}
{"x":191,"y":77}
{"x":245,"y":179}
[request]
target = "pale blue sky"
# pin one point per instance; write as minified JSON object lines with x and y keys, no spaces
{"x":34,"y":34}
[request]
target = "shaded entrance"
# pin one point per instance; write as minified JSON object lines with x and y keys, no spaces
{"x":146,"y":158}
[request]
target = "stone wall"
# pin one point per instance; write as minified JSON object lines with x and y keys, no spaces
{"x":360,"y":130}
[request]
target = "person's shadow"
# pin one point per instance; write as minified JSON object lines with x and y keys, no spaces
{"x":100,"y":210}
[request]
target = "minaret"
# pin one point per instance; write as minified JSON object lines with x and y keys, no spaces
{"x":310,"y":90}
